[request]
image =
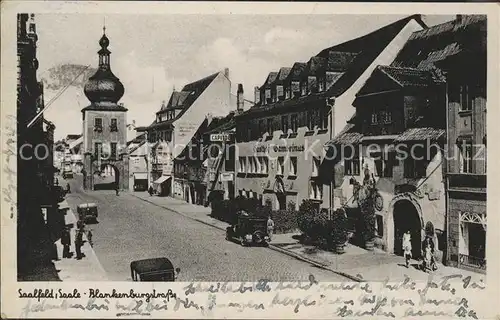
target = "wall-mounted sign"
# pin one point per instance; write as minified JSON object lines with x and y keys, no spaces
{"x":220,"y":137}
{"x":226,"y":176}
{"x":292,"y":148}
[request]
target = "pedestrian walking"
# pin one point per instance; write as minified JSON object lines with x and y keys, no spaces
{"x":407,"y":247}
{"x":150,"y":190}
{"x":79,"y":240}
{"x":68,"y":189}
{"x":89,"y":237}
{"x":117,"y":189}
{"x":270,"y":227}
{"x":66,"y":242}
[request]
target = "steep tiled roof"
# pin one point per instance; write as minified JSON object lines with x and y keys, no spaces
{"x":348,"y":60}
{"x":416,"y":134}
{"x":424,"y":48}
{"x":141,"y":137}
{"x":347,"y":136}
{"x":137,"y":147}
{"x":409,"y":77}
{"x":296,"y":71}
{"x":185,"y":98}
{"x":270,"y":79}
{"x":283,"y":73}
{"x":222,"y":124}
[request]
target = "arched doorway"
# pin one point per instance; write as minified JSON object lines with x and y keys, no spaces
{"x":406,"y":217}
{"x":107,"y":178}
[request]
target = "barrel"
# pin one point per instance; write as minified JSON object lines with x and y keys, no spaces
{"x":369,"y":245}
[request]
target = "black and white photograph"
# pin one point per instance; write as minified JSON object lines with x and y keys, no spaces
{"x":283,"y":148}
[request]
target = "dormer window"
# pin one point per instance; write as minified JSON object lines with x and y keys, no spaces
{"x":303,"y":89}
{"x":287,"y":92}
{"x":268,"y":95}
{"x":279,"y":92}
{"x":321,"y":85}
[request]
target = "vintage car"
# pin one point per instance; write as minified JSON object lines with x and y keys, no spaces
{"x":155,"y":269}
{"x":249,"y":230}
{"x":87,"y":212}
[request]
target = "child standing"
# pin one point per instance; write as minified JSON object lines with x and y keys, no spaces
{"x":407,"y":247}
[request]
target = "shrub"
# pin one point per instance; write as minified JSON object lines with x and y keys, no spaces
{"x":339,"y":225}
{"x":285,"y":220}
{"x":307,"y":211}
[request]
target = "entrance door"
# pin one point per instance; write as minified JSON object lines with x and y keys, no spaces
{"x":407,"y":218}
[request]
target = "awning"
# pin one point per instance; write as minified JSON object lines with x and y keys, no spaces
{"x":140,"y":176}
{"x":162,"y":179}
{"x":419,"y":134}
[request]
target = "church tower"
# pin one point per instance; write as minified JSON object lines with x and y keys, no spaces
{"x":105,"y":125}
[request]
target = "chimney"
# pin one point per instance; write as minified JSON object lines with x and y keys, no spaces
{"x":256,"y":95}
{"x":239,"y":98}
{"x":459,"y":17}
{"x":226,"y":72}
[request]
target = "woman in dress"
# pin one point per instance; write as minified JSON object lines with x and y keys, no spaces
{"x":407,"y":247}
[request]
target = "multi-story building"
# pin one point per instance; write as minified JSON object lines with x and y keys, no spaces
{"x":280,"y":141}
{"x":138,"y":166}
{"x":398,"y":134}
{"x":466,"y":128}
{"x":38,"y":220}
{"x":177,"y":122}
{"x":221,"y":156}
{"x":105,"y":126}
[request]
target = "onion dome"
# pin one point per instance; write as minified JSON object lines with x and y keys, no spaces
{"x":104,"y":87}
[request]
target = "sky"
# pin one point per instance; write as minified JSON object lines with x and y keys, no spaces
{"x":152,"y":54}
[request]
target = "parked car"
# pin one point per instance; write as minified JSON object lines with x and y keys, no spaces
{"x":249,"y":230}
{"x":155,"y":269}
{"x":87,"y":212}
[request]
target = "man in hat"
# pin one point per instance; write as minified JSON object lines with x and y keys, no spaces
{"x":66,"y":242}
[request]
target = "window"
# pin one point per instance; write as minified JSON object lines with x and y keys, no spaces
{"x":414,"y":167}
{"x":294,"y":123}
{"x":384,"y":163}
{"x":323,"y":118}
{"x":287,"y":92}
{"x":284,"y":124}
{"x":98,"y":124}
{"x":270,"y":127}
{"x":243,"y":164}
{"x":309,"y":120}
{"x":465,"y":98}
{"x":114,"y":125}
{"x":352,"y":165}
{"x":279,"y":91}
{"x":281,"y":166}
{"x":379,"y":228}
{"x":263,"y":165}
{"x":315,"y":166}
{"x":374,"y":118}
{"x":466,"y":157}
{"x":303,"y":88}
{"x":293,"y":166}
{"x":321,"y":84}
{"x":113,"y":150}
{"x":97,"y":149}
{"x":316,"y":190}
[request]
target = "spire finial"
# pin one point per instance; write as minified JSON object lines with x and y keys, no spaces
{"x":104,"y":26}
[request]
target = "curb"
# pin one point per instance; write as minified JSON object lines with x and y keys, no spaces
{"x":271,"y":247}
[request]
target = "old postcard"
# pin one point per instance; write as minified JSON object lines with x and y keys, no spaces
{"x":249,"y":160}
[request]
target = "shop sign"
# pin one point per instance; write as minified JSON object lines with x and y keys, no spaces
{"x":292,"y":148}
{"x":226,"y":176}
{"x":220,"y":137}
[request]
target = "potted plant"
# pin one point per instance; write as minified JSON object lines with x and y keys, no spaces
{"x":339,"y":224}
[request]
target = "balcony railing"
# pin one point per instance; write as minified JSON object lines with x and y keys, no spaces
{"x":473,"y":262}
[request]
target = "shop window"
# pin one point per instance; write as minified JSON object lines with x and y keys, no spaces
{"x":293,"y":166}
{"x":280,"y":166}
{"x":316,"y":190}
{"x":465,"y":156}
{"x":379,"y":221}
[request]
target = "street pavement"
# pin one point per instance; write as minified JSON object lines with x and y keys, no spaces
{"x":129,"y":229}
